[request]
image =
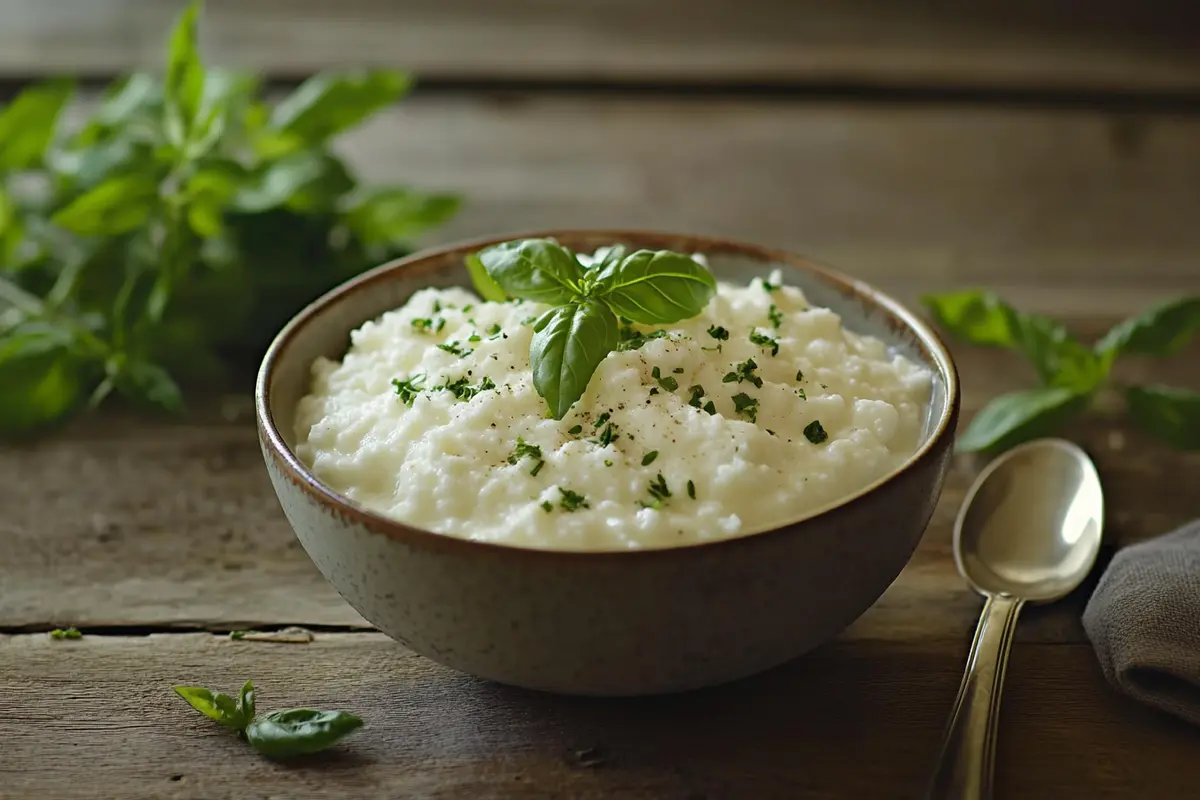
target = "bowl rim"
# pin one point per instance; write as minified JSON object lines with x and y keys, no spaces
{"x":298,"y":474}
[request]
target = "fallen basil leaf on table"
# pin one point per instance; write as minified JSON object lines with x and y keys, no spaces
{"x":1171,"y":414}
{"x":214,"y":705}
{"x":66,"y":633}
{"x":1020,"y":416}
{"x":299,"y":731}
{"x":245,"y":702}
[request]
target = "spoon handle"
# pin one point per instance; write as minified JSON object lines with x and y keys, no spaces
{"x":964,"y":770}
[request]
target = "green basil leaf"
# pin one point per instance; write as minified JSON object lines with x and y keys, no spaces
{"x":1171,"y":414}
{"x":144,"y":382}
{"x":128,"y":99}
{"x":27,"y":124}
{"x":975,"y":316}
{"x":1013,"y":418}
{"x":1058,"y":358}
{"x":655,"y":287}
{"x":86,"y":168}
{"x":568,"y":344}
{"x":485,"y":287}
{"x":42,"y":381}
{"x":392,"y":216}
{"x":608,"y":256}
{"x":299,"y":731}
{"x":215,"y":706}
{"x":329,"y":103}
{"x":117,"y":206}
{"x":1160,"y":331}
{"x":540,"y":270}
{"x":245,"y":702}
{"x":279,"y":183}
{"x":184,"y":85}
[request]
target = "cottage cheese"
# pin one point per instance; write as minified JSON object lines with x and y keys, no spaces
{"x":450,"y":463}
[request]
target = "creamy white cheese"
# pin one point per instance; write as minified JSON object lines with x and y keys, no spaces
{"x":445,"y":462}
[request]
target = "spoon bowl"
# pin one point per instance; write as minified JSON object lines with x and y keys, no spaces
{"x":1031,"y":525}
{"x":1029,"y":531}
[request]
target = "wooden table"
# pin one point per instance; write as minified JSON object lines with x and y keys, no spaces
{"x":1068,"y":177}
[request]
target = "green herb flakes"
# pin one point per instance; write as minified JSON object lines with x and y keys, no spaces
{"x":697,"y":392}
{"x":454,"y":348}
{"x":775,"y":316}
{"x":547,"y":506}
{"x":525,"y":450}
{"x":691,"y":490}
{"x":746,"y":406}
{"x":799,"y":374}
{"x":711,"y":408}
{"x":572,"y":501}
{"x":408,"y":389}
{"x":66,"y":633}
{"x":667,"y":382}
{"x":575,"y":430}
{"x":765,"y":342}
{"x":744,"y":372}
{"x":718,"y":333}
{"x":815,"y":433}
{"x":648,"y":459}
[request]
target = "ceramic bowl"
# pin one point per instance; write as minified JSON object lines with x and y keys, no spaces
{"x":613,"y":623}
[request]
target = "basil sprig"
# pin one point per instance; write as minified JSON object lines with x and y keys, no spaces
{"x":1072,"y":374}
{"x":583,"y":326}
{"x":277,"y":734}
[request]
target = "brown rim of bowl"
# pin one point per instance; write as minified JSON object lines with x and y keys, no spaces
{"x":298,"y":474}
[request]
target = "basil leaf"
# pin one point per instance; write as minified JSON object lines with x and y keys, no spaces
{"x":568,"y":344}
{"x":245,"y":702}
{"x":215,"y":706}
{"x":540,"y":270}
{"x":117,"y":206}
{"x":1171,"y":414}
{"x":329,"y":103}
{"x":278,"y":182}
{"x":485,"y":287}
{"x":42,"y":381}
{"x":1058,"y":358}
{"x":184,"y":85}
{"x":27,"y":124}
{"x":394,"y":216}
{"x":142,"y":381}
{"x":655,"y":287}
{"x":1013,"y":418}
{"x":1160,"y":331}
{"x":299,"y":731}
{"x":975,"y":316}
{"x":85,"y":169}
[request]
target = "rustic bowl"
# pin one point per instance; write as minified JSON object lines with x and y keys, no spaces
{"x":611,"y":623}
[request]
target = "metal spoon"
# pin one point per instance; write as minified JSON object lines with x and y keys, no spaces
{"x":1029,"y":530}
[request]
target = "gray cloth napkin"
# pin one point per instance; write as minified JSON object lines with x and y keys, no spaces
{"x":1144,"y":621}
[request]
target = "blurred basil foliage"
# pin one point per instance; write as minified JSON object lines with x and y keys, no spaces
{"x":171,"y":234}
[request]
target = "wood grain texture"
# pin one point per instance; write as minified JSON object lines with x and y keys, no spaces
{"x":1111,"y":45}
{"x":858,"y":718}
{"x":1037,"y":203}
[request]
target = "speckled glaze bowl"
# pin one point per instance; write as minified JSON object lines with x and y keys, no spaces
{"x":615,"y":623}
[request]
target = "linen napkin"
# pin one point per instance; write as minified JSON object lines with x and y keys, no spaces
{"x":1144,"y":621}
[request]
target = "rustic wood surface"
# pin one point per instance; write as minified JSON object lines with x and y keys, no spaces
{"x":157,"y":537}
{"x":1110,"y":45}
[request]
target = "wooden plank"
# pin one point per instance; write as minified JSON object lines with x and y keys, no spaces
{"x":990,"y":44}
{"x":854,"y":719}
{"x":1037,"y":203}
{"x":121,"y":520}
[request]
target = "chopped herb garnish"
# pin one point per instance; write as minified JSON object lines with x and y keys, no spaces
{"x":467,"y":308}
{"x":697,"y":392}
{"x":710,"y":408}
{"x":744,"y":372}
{"x":66,"y":633}
{"x":691,"y":490}
{"x":474,"y":337}
{"x":463,"y":390}
{"x":607,"y":436}
{"x":654,"y":391}
{"x":768,"y":286}
{"x":408,"y":389}
{"x":495,"y":331}
{"x":718,"y":333}
{"x":576,"y":430}
{"x":746,"y":405}
{"x":814,"y":432}
{"x":801,"y":394}
{"x":607,"y":463}
{"x":572,"y":501}
{"x":454,"y":348}
{"x":529,"y":320}
{"x":770,"y":431}
{"x":799,"y":374}
{"x":678,"y":370}
{"x":648,"y":459}
{"x":526,"y":450}
{"x":600,"y":420}
{"x":437,"y":306}
{"x":633,"y":340}
{"x":667,"y":382}
{"x":547,"y":506}
{"x":658,"y":488}
{"x":775,"y":316}
{"x":764,"y":341}
{"x":428,"y":324}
